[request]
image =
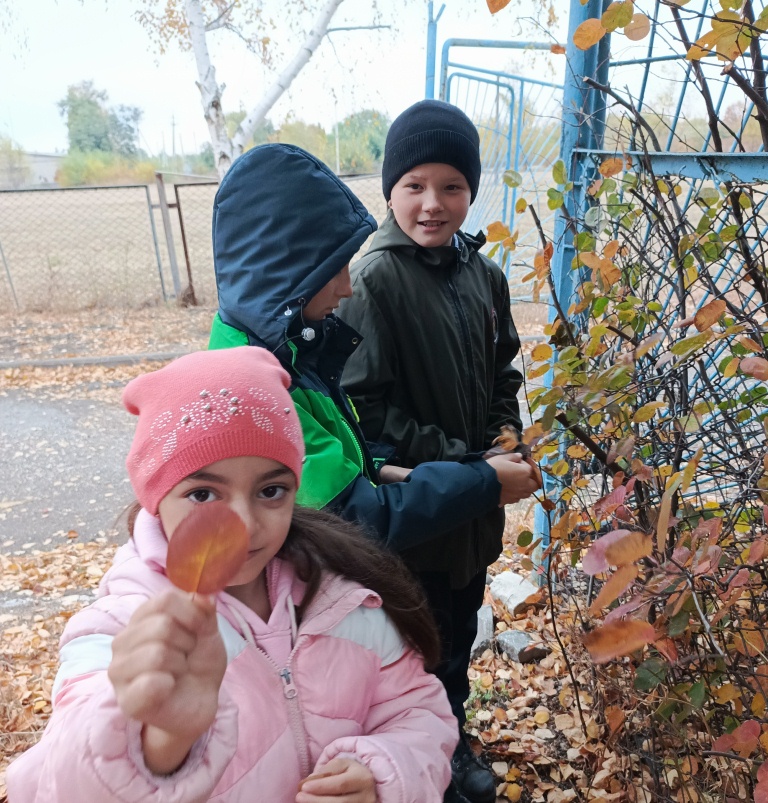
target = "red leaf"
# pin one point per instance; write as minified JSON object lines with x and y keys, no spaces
{"x":755,"y":366}
{"x":609,"y":503}
{"x":207,"y":549}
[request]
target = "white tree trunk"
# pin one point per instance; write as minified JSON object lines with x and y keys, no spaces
{"x":210,"y":91}
{"x":284,"y":80}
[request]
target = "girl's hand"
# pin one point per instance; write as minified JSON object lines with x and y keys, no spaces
{"x":167,"y":668}
{"x":339,"y":780}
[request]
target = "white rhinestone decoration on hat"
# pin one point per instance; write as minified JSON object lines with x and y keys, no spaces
{"x":170,"y":429}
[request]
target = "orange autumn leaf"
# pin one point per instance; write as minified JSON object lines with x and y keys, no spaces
{"x":497,"y":232}
{"x":589,"y":33}
{"x":709,"y":314}
{"x":494,"y":6}
{"x":207,"y":549}
{"x":616,"y":585}
{"x":614,"y":717}
{"x":611,"y":249}
{"x":557,"y":50}
{"x":638,"y":28}
{"x":755,"y":366}
{"x":611,"y":167}
{"x":618,"y":638}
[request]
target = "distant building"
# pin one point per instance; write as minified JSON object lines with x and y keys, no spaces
{"x":42,"y":168}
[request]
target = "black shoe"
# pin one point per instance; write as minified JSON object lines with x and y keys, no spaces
{"x":452,"y":795}
{"x":471,"y":775}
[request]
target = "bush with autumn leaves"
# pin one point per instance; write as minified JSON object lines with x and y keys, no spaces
{"x":650,"y":418}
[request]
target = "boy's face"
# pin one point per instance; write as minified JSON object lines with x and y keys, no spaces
{"x":326,"y":301}
{"x":430,"y":202}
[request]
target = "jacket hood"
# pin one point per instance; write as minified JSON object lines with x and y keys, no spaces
{"x":283,"y":226}
{"x":390,"y":236}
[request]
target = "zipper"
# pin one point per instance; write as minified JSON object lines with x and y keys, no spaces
{"x":291,"y":694}
{"x":294,"y":715}
{"x":468,"y":353}
{"x":360,"y":456}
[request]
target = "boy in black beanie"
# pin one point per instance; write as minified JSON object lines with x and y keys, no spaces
{"x":433,"y":376}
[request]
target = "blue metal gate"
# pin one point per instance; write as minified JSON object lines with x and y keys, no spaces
{"x":518,"y":119}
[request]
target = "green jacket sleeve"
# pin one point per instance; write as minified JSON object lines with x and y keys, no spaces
{"x":504,"y":408}
{"x":328,"y":466}
{"x":369,"y":377}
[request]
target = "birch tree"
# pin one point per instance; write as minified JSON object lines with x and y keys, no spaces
{"x":189,"y":23}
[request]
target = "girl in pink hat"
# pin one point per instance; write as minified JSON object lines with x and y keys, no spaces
{"x":302,"y":682}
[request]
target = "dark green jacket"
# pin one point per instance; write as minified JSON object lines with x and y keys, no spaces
{"x":283,"y":226}
{"x":433,"y":375}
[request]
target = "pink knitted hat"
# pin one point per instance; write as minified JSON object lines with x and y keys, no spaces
{"x":205,"y":407}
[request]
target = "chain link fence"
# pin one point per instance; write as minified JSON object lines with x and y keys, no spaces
{"x":128,"y":246}
{"x":79,"y":248}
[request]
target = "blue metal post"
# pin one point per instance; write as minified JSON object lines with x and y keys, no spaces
{"x":583,"y":126}
{"x":429,"y":91}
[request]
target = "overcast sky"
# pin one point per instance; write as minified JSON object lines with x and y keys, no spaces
{"x":49,"y":45}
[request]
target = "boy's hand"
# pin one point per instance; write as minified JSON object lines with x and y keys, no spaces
{"x":167,"y":667}
{"x":519,"y":479}
{"x":389,"y":474}
{"x":340,"y":779}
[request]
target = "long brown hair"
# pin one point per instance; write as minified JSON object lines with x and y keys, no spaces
{"x":320,"y":542}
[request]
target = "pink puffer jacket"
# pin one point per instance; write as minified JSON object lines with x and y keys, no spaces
{"x":344,"y":685}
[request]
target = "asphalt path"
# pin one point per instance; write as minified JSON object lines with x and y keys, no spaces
{"x":62,"y":469}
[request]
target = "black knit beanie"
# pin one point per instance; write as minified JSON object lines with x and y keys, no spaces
{"x":431,"y":131}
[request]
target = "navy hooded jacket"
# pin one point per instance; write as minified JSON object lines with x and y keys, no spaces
{"x":283,"y":226}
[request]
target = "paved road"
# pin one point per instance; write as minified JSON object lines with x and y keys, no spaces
{"x":61,"y":468}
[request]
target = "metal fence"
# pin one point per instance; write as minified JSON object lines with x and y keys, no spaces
{"x":128,"y":246}
{"x":78,"y":248}
{"x":518,"y":118}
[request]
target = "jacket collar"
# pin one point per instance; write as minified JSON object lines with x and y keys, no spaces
{"x":391,"y":237}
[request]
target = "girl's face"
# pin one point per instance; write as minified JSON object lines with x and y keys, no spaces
{"x":260,"y":490}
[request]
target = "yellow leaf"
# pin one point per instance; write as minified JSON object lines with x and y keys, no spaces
{"x":494,"y":6}
{"x":690,"y":470}
{"x":618,"y":638}
{"x":638,"y":28}
{"x":731,"y":368}
{"x":647,"y":411}
{"x":617,"y":15}
{"x":541,"y":352}
{"x":514,"y":792}
{"x":628,"y":549}
{"x":725,"y":693}
{"x":709,"y":314}
{"x":497,"y":232}
{"x":541,"y":717}
{"x":521,"y":205}
{"x":589,"y":33}
{"x":662,"y":525}
{"x":758,"y":705}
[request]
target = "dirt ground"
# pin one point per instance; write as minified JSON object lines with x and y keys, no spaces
{"x":59,"y":575}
